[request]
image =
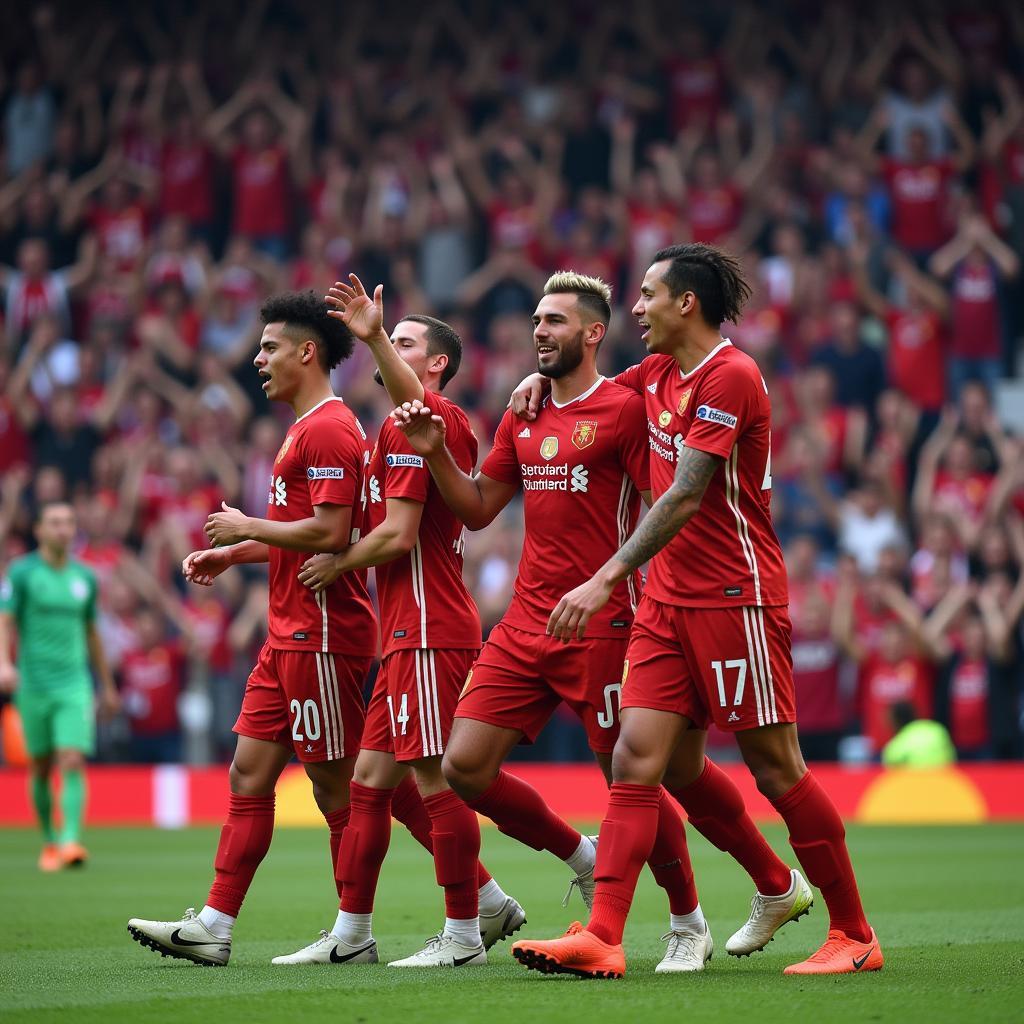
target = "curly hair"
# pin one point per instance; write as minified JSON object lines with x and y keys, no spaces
{"x":712,"y":275}
{"x":304,"y":315}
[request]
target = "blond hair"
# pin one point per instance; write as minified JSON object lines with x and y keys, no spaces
{"x":592,"y":293}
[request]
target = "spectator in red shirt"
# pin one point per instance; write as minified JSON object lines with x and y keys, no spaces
{"x":976,"y":262}
{"x":265,"y":165}
{"x":152,"y":678}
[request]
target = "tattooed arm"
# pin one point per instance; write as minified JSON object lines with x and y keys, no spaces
{"x":669,"y":514}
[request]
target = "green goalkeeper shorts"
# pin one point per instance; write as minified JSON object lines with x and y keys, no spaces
{"x":63,"y":719}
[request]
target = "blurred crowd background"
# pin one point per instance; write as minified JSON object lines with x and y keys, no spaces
{"x":165,"y":167}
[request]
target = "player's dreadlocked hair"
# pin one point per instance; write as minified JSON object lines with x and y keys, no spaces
{"x":304,"y":315}
{"x":713,"y":276}
{"x":441,"y":337}
{"x":591,"y":293}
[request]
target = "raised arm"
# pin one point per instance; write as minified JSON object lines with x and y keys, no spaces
{"x":364,"y":317}
{"x":476,"y":500}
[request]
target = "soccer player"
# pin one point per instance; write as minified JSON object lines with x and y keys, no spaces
{"x":305,"y":694}
{"x":431,"y":637}
{"x":711,"y":641}
{"x":581,"y":467}
{"x":48,"y":604}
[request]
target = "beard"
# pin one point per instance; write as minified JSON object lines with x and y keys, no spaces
{"x":569,"y":357}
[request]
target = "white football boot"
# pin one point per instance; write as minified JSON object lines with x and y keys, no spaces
{"x":444,"y":951}
{"x":507,"y":921}
{"x":585,"y":883}
{"x":768,"y":914}
{"x":187,"y":939}
{"x":687,"y":951}
{"x":329,"y":949}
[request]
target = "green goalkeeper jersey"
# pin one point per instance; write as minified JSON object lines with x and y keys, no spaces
{"x":52,"y":609}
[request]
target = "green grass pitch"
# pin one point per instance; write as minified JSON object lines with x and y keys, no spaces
{"x":947,"y":903}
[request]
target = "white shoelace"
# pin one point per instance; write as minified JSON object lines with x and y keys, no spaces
{"x":679,"y":941}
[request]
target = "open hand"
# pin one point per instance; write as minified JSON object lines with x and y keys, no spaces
{"x":569,"y":619}
{"x":350,"y":304}
{"x":425,"y":432}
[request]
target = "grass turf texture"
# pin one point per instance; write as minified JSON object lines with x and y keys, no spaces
{"x":947,"y":903}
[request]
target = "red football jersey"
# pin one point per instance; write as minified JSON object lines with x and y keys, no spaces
{"x":423,"y":599}
{"x":321,"y":462}
{"x":727,"y":554}
{"x":582,"y":467}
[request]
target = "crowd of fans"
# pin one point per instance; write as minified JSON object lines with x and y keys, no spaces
{"x":166,"y":168}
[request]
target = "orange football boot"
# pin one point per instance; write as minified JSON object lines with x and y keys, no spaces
{"x":73,"y":855}
{"x":577,"y":952}
{"x":50,"y":858}
{"x":841,"y":955}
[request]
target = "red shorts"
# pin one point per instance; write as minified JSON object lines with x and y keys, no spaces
{"x":520,"y":678}
{"x":730,"y":666}
{"x":413,"y":703}
{"x":308,"y":700}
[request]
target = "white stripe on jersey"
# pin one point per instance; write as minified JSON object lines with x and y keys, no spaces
{"x":324,"y":707}
{"x":439,"y":746}
{"x":732,"y":498}
{"x":758,"y":618}
{"x":332,"y":692}
{"x":321,"y":600}
{"x":625,"y":493}
{"x":421,"y":704}
{"x":753,"y":667}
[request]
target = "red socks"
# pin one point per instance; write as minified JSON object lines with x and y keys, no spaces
{"x":627,"y":838}
{"x":715,"y":809}
{"x":244,"y":841}
{"x":520,"y":812}
{"x":363,"y":847}
{"x":818,"y":838}
{"x":456,"y":839}
{"x":407,"y":806}
{"x":670,"y":859}
{"x":336,"y":822}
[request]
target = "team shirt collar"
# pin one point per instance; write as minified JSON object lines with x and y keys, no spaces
{"x":579,"y":398}
{"x":331,"y":398}
{"x":711,"y":355}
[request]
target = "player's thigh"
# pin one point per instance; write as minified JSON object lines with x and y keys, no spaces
{"x":378,"y":769}
{"x":324,"y":698}
{"x":36,"y":714}
{"x":257,"y":765}
{"x":741,"y":661}
{"x":647,"y":739}
{"x":587,"y":675}
{"x":73,"y":725}
{"x":422,"y":692}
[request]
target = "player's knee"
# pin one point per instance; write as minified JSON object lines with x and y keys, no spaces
{"x":631,"y":763}
{"x":71,"y":760}
{"x":468,"y":777}
{"x":248,"y":780}
{"x":41,"y":767}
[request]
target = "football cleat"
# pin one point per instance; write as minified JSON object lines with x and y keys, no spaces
{"x":187,"y":939}
{"x":329,"y":949}
{"x":585,"y":883}
{"x":506,"y":922}
{"x":842,"y":955}
{"x":687,"y":951}
{"x":444,"y":951}
{"x":768,"y":914}
{"x":577,"y":952}
{"x":73,"y":855}
{"x":50,"y":858}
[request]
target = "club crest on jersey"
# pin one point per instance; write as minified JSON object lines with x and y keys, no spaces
{"x":549,"y":447}
{"x":584,"y":433}
{"x":664,"y":418}
{"x":284,"y":448}
{"x":681,"y":408}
